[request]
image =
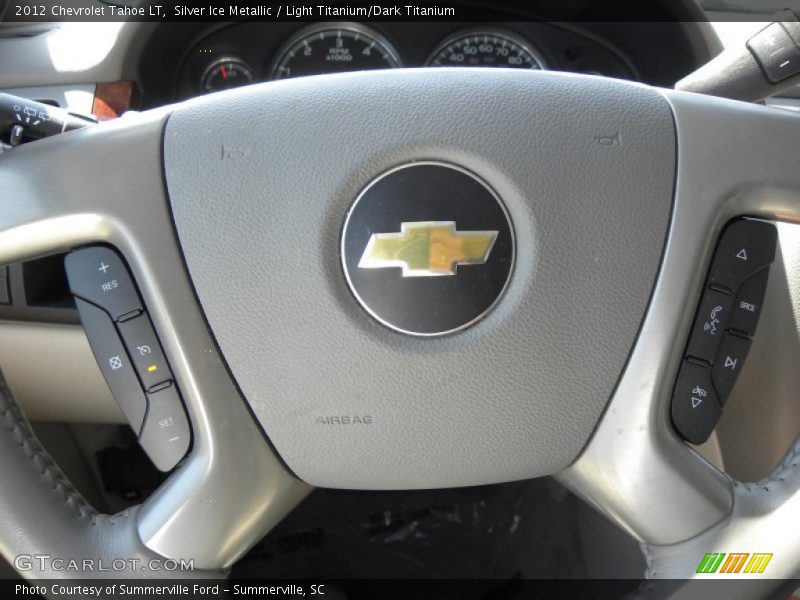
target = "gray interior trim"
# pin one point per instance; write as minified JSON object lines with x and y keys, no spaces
{"x":74,"y":53}
{"x":231,"y":489}
{"x":733,"y":159}
{"x":784,"y":103}
{"x":54,"y":375}
{"x":704,"y":38}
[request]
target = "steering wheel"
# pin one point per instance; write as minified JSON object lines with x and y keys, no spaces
{"x":287,"y":241}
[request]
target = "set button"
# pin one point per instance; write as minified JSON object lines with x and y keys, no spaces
{"x":166,"y":433}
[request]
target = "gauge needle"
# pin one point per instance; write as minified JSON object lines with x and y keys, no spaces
{"x":224,"y":72}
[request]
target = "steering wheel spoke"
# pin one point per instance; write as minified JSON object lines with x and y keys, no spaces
{"x":105,"y":186}
{"x":734,"y":160}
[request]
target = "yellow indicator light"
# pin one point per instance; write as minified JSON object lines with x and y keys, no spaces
{"x":152,"y":368}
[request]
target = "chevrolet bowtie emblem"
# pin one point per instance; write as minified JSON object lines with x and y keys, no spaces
{"x":427,"y":249}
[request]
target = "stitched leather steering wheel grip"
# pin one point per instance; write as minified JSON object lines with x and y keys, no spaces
{"x":44,"y":517}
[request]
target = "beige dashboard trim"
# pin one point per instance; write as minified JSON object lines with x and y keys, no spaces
{"x":53,"y":374}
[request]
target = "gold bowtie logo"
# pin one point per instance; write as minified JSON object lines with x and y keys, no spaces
{"x":427,"y":249}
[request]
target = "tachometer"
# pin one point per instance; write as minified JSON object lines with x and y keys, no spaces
{"x":486,"y":49}
{"x":333,"y":48}
{"x":224,"y":74}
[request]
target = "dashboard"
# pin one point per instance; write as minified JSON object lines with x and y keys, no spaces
{"x":195,"y":61}
{"x":250,"y":52}
{"x":182,"y":60}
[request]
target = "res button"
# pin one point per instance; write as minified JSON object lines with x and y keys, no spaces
{"x":97,"y":274}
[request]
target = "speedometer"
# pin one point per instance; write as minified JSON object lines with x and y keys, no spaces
{"x":486,"y":49}
{"x":333,"y":48}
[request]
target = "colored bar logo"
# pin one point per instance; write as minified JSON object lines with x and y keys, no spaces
{"x":735,"y":562}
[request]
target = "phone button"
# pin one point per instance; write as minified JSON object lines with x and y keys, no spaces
{"x":712,"y":319}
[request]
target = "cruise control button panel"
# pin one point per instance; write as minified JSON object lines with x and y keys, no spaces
{"x":129,"y":353}
{"x":726,"y":318}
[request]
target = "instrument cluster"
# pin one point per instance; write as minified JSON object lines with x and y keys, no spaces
{"x":252,"y":52}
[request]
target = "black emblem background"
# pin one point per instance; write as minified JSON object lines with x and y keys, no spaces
{"x":427,"y":305}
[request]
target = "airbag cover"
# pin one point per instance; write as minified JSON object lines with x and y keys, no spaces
{"x":261,"y":179}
